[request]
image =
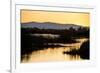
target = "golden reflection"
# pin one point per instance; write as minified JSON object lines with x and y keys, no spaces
{"x":55,"y":54}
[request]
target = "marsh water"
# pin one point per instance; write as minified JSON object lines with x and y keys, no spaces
{"x":54,"y":53}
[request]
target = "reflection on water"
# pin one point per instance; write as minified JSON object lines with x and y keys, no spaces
{"x":55,"y":53}
{"x":46,"y":35}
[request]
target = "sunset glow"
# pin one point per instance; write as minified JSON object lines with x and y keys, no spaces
{"x":82,"y":19}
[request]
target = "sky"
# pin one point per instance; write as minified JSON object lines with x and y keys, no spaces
{"x":82,"y":19}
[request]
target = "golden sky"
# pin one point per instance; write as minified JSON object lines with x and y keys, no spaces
{"x":56,"y":17}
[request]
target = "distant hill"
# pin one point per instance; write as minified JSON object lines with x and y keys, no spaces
{"x":48,"y":25}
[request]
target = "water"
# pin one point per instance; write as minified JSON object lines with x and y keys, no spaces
{"x":46,"y":35}
{"x":55,"y":54}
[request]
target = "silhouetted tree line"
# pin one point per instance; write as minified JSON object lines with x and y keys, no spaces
{"x":80,"y":32}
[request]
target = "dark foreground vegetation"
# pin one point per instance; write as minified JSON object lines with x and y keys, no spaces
{"x":84,"y":51}
{"x":31,"y":43}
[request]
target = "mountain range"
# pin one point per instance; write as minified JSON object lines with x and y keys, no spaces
{"x":48,"y":25}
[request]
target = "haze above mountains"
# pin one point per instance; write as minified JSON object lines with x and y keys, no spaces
{"x":48,"y":25}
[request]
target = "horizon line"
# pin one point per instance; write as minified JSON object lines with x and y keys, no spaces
{"x":54,"y":23}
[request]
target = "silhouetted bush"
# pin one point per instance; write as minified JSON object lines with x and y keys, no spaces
{"x":84,"y":51}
